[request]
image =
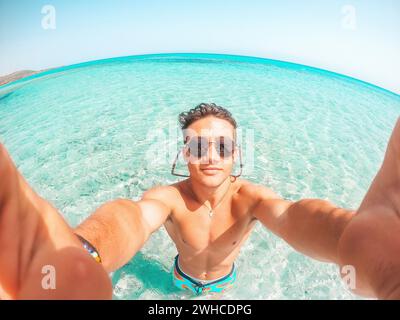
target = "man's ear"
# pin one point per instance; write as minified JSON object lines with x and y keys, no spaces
{"x":235,"y":154}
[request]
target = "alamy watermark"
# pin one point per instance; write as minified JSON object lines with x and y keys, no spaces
{"x":49,"y":278}
{"x":49,"y":17}
{"x":167,"y":144}
{"x":349,"y":17}
{"x":348,"y":273}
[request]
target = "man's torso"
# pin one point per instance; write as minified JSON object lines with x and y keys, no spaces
{"x":208,"y":246}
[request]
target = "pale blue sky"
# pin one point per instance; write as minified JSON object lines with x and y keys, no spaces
{"x":310,"y":32}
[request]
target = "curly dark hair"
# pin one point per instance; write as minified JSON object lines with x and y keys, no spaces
{"x":204,"y":110}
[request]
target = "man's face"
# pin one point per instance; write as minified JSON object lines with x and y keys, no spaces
{"x":209,"y":150}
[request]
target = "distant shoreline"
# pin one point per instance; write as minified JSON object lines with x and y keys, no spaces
{"x":18,"y":75}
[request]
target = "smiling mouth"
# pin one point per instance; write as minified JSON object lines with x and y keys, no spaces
{"x":211,"y":170}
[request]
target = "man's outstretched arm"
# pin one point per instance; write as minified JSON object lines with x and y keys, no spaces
{"x":371,"y":241}
{"x":311,"y":226}
{"x":120,"y":228}
{"x":368,"y":239}
{"x":33,"y":235}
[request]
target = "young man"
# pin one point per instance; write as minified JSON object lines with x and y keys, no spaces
{"x":209,"y":216}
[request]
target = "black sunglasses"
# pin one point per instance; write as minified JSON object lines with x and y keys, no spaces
{"x":199,"y":145}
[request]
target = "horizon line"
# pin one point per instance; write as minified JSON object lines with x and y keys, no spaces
{"x":51,"y":70}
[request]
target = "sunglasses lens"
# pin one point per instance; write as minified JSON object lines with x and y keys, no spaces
{"x":198,"y":146}
{"x":225,"y":147}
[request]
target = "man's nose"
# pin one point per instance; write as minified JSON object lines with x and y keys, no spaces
{"x":212,"y":154}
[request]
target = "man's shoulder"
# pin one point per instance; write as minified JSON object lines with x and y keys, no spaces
{"x":165,"y":193}
{"x":256,"y":191}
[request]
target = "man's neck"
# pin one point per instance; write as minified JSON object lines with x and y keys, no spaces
{"x":210,"y":195}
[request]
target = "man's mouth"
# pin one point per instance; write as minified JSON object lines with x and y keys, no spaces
{"x":211,"y":170}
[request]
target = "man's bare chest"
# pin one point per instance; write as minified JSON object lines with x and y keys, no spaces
{"x":196,"y":230}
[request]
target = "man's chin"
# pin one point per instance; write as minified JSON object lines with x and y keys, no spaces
{"x":212,"y":181}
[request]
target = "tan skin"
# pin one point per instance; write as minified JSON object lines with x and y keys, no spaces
{"x":33,"y":233}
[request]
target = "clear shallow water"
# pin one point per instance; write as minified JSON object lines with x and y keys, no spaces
{"x":90,"y":133}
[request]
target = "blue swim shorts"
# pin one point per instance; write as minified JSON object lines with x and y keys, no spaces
{"x":183,"y":281}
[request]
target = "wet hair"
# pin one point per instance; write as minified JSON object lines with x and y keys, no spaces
{"x":204,"y":110}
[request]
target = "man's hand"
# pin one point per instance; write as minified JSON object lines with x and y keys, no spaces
{"x":371,"y":241}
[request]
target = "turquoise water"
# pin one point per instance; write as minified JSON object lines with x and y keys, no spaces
{"x":89,"y":133}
